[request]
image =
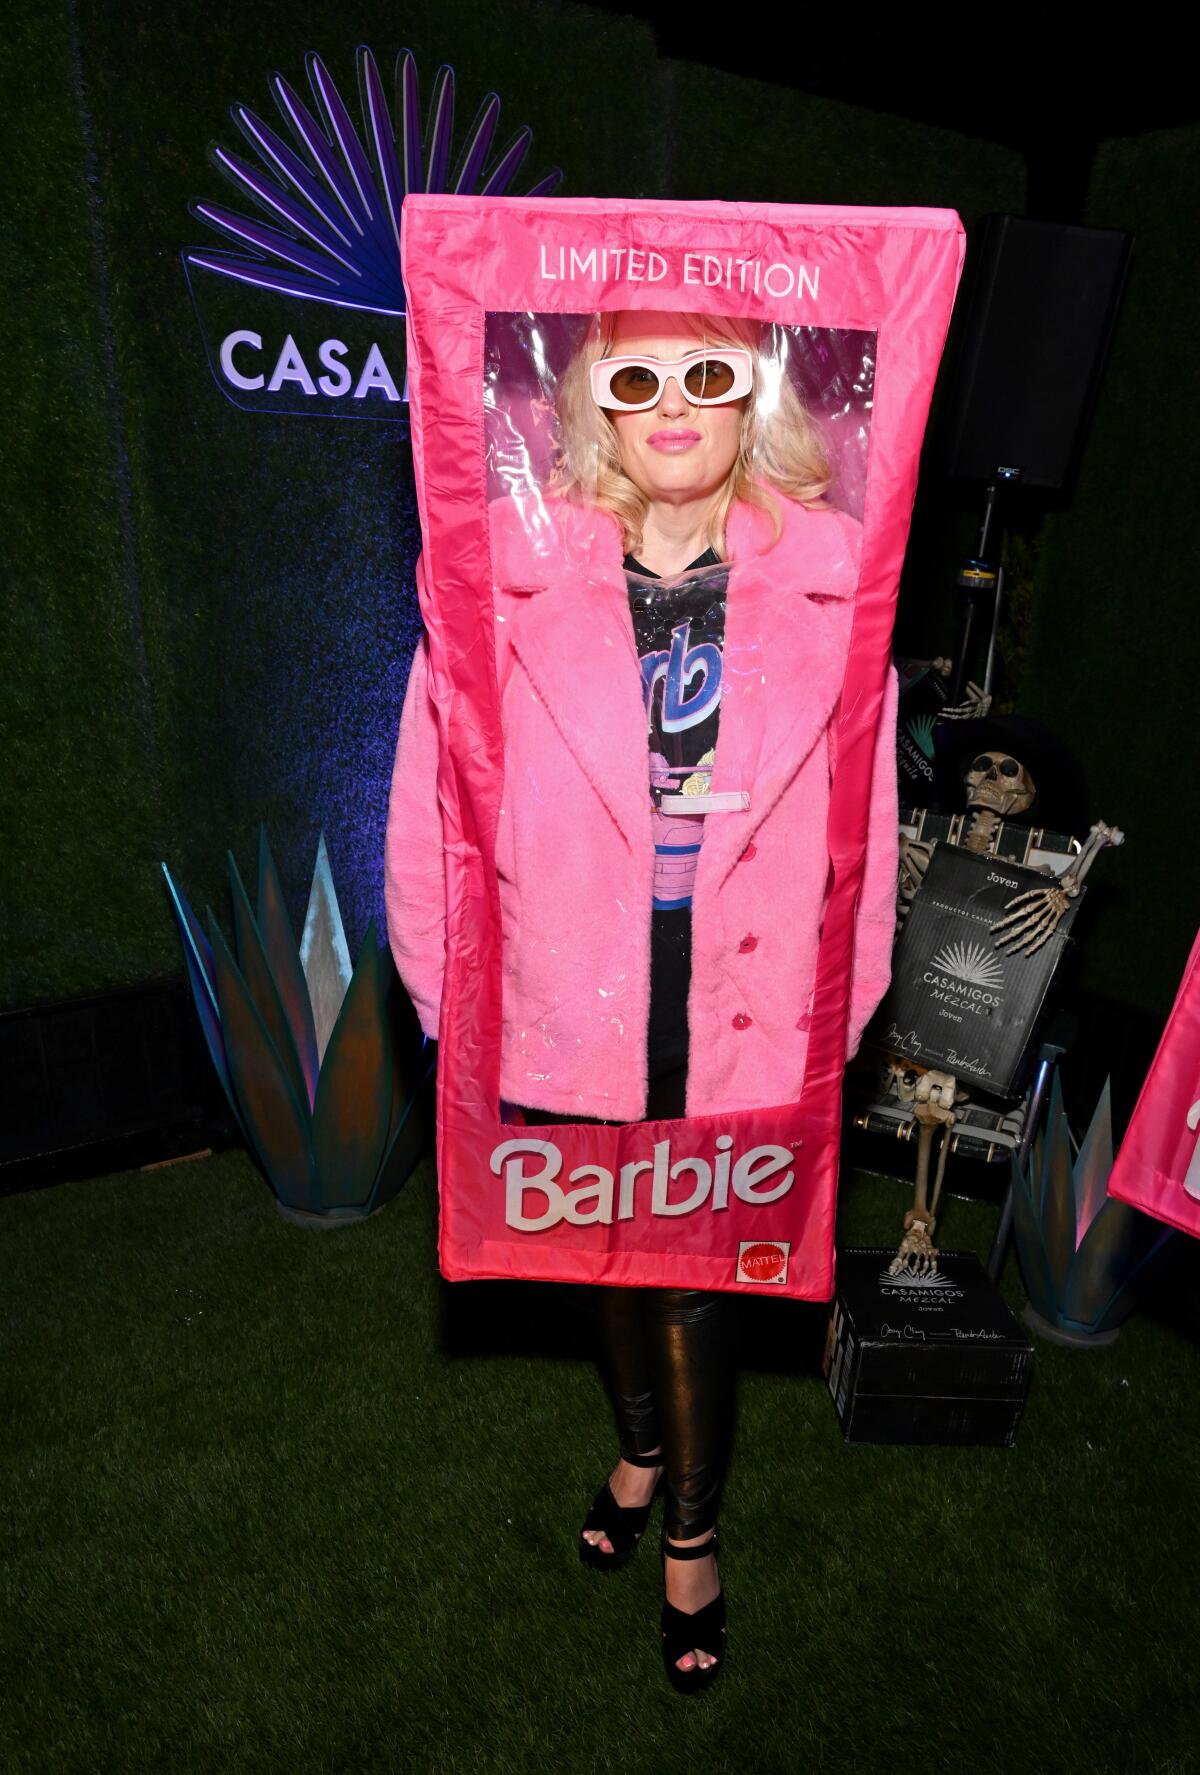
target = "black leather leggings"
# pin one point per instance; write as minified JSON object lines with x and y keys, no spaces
{"x":670,"y":1366}
{"x":669,"y":1354}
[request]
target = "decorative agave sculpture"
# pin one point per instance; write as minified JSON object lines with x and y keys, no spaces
{"x":334,"y":203}
{"x":1084,"y":1256}
{"x":303,"y":1047}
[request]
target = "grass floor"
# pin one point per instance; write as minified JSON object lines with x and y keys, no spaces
{"x":280,"y":1500}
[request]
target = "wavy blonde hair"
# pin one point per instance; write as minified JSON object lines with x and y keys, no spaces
{"x":781,"y":449}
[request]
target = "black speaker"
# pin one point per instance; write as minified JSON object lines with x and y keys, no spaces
{"x":1044,"y":298}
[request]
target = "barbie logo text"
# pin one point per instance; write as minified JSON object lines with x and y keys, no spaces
{"x":592,"y":1200}
{"x":722,"y":271}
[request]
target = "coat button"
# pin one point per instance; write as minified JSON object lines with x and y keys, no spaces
{"x":741,"y":1021}
{"x":751,"y":850}
{"x":748,"y":942}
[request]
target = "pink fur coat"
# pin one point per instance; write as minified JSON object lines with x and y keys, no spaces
{"x":574,"y":850}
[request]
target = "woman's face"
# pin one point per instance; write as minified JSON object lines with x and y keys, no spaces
{"x":674,"y":450}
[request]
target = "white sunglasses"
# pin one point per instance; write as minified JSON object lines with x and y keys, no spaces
{"x":707,"y":378}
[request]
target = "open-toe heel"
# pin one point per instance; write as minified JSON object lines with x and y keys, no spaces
{"x":682,"y":1633}
{"x":624,"y":1527}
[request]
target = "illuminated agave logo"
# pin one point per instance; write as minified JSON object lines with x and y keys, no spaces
{"x":932,"y":1284}
{"x":331,"y":200}
{"x":973,"y":962}
{"x":920,"y":728}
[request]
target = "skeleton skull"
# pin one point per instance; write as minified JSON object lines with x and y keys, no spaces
{"x":1000,"y":783}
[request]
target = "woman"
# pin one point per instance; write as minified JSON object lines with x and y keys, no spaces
{"x":688,"y":491}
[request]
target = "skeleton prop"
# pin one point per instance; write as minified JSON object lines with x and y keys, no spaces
{"x":998,"y":786}
{"x":974,"y":705}
{"x":933,"y":1096}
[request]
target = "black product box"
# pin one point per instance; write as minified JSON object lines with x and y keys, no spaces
{"x":922,"y":699}
{"x":957,"y":1001}
{"x":924,"y":1358}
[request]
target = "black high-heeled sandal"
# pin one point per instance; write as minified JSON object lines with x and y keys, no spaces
{"x":683,"y":1633}
{"x":624,"y":1527}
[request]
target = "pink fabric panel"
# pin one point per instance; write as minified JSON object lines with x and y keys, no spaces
{"x":744,"y":1198}
{"x":1158,"y":1165}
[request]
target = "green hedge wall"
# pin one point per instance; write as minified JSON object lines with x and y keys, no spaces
{"x":1115,"y":633}
{"x":209,"y":613}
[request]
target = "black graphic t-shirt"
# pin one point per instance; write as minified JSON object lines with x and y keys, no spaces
{"x":679,"y":627}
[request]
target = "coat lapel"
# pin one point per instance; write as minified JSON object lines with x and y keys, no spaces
{"x":786,"y":645}
{"x":574,"y":638}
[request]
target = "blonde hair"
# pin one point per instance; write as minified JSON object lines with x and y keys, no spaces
{"x":782,"y":450}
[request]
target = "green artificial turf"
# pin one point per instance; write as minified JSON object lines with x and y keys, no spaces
{"x":282,"y":1500}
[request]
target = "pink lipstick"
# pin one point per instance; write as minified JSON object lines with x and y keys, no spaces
{"x":673,"y":440}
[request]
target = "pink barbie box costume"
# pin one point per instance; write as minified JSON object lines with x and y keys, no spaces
{"x":642,"y":837}
{"x":762,"y":373}
{"x":586,"y":817}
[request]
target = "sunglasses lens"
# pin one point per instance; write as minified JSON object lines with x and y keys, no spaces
{"x":709,"y":380}
{"x":633,"y":385}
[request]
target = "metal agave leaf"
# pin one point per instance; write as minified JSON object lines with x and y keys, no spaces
{"x":264,"y":996}
{"x":1084,"y":1256}
{"x":324,"y":955}
{"x":333,"y":201}
{"x":279,"y":1127}
{"x":202,"y":978}
{"x":320,"y":1095}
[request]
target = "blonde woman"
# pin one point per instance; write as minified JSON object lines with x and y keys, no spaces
{"x":674,"y":611}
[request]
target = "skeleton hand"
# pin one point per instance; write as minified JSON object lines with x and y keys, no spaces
{"x":917,"y":1253}
{"x":1038,"y":910}
{"x":974,"y":708}
{"x":1037,"y":919}
{"x":915,"y":854}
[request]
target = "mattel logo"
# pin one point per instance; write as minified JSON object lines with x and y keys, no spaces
{"x":763,"y":1260}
